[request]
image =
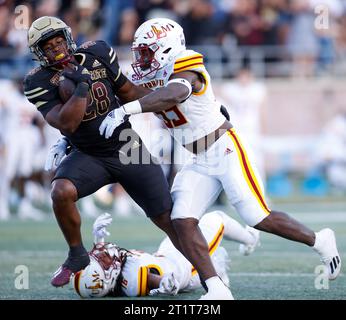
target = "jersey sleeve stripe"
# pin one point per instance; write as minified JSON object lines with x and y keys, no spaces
{"x":187,"y":67}
{"x":143,"y":281}
{"x":33,"y":90}
{"x":111,"y":52}
{"x":37,"y":94}
{"x":118,"y":75}
{"x":113,"y":58}
{"x":40,"y":103}
{"x":199,"y":56}
{"x":185,"y":63}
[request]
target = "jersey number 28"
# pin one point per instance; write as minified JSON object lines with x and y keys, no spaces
{"x":98,"y":94}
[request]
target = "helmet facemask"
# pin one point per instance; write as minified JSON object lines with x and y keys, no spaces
{"x":37,"y":50}
{"x":144,"y":60}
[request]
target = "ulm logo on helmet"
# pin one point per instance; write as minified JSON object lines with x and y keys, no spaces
{"x":159,"y":33}
{"x":98,"y":284}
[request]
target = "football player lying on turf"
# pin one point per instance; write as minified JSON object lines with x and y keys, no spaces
{"x":117,"y":271}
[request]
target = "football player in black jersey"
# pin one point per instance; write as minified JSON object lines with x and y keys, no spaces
{"x":94,"y":161}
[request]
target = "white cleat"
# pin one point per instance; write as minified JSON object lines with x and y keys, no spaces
{"x":246,"y":249}
{"x":325,"y":246}
{"x":223,"y":293}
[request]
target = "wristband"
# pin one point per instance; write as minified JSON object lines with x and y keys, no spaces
{"x":184,"y":82}
{"x":82,"y":90}
{"x":132,"y":107}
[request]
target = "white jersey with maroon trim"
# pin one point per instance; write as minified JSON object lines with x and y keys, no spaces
{"x":168,"y":259}
{"x":198,"y":115}
{"x":139,"y":263}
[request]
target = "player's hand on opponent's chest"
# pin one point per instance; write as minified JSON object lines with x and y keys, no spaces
{"x":77,"y":73}
{"x":113,"y":120}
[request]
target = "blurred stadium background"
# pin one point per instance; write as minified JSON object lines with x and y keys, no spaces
{"x":279,"y":66}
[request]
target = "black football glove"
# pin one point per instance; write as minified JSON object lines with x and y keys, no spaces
{"x":224,"y":111}
{"x":79,"y":75}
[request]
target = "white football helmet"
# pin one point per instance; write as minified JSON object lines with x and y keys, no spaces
{"x":100,"y":276}
{"x":156,"y":44}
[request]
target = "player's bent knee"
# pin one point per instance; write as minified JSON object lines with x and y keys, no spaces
{"x":63,"y":190}
{"x":163,"y":221}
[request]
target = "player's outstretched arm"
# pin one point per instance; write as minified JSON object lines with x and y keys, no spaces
{"x":130,"y":92}
{"x":178,"y":89}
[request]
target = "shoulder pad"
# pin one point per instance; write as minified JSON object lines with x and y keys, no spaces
{"x":188,"y":60}
{"x":187,"y":54}
{"x":41,"y":77}
{"x":99,"y":48}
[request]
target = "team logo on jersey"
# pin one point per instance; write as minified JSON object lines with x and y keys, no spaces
{"x":96,"y":63}
{"x":228,"y":151}
{"x":154,"y":83}
{"x":55,"y":79}
{"x":98,"y":74}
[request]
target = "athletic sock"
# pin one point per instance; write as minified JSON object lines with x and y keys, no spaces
{"x":318,"y":245}
{"x":78,"y":258}
{"x":213,"y":283}
{"x":235,"y":231}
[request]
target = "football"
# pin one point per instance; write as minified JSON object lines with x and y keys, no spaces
{"x":67,"y":88}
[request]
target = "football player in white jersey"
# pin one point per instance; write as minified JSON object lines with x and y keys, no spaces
{"x":184,"y":99}
{"x":166,"y":271}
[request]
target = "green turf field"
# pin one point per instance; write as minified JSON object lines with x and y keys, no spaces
{"x":279,"y":269}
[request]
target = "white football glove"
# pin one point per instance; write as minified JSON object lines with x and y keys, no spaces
{"x":169,"y":285}
{"x":113,"y":120}
{"x":99,"y":227}
{"x":56,"y":153}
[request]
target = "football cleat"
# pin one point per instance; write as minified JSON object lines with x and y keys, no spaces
{"x":325,"y":246}
{"x":61,"y":277}
{"x":246,"y":249}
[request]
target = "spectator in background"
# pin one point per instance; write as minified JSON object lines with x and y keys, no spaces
{"x":326,"y":34}
{"x":86,"y":19}
{"x":121,"y":21}
{"x":199,"y":24}
{"x":331,"y":151}
{"x":244,"y":23}
{"x":47,"y":8}
{"x":20,"y":156}
{"x":302,"y":41}
{"x":5,"y":25}
{"x":148,"y":9}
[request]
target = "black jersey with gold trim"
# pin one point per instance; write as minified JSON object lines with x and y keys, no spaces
{"x":41,"y":87}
